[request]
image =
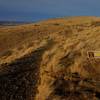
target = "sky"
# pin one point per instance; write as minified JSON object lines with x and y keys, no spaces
{"x":34,"y":10}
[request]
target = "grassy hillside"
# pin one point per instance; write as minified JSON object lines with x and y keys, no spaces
{"x":48,"y":60}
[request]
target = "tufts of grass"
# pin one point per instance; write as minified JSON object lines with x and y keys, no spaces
{"x":6,"y":53}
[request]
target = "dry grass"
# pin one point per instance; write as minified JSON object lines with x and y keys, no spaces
{"x":55,"y":51}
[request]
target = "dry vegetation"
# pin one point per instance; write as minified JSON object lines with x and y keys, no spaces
{"x":48,"y":60}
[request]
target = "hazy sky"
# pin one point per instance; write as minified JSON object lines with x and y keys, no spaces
{"x":31,"y":10}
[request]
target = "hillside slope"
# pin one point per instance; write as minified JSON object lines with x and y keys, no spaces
{"x":48,"y":60}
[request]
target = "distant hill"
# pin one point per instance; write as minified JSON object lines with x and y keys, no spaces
{"x":11,"y":23}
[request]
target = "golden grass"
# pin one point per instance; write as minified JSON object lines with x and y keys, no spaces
{"x":64,"y":71}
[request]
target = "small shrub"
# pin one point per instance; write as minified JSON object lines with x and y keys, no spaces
{"x":56,"y":24}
